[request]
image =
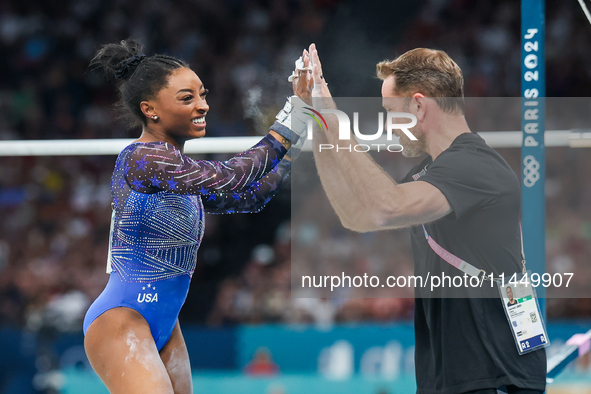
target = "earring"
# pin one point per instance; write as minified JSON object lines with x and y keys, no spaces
{"x":155,"y":117}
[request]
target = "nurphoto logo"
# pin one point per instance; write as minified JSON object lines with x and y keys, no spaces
{"x":345,"y":129}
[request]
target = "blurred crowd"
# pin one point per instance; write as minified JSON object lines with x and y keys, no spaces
{"x":56,"y":210}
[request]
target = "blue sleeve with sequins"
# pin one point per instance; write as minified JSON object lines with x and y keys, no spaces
{"x":253,"y":199}
{"x":153,"y":167}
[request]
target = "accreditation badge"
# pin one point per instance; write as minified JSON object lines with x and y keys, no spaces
{"x":523,"y":313}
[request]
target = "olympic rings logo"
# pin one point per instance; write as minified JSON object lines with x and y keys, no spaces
{"x":530,"y":171}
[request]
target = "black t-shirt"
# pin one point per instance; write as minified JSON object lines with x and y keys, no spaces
{"x":511,"y":303}
{"x":465,"y":344}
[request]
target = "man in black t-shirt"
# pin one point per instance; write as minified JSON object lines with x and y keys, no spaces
{"x":482,"y":229}
{"x":468,"y":199}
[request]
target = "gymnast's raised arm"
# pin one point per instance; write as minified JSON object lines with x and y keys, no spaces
{"x":161,"y":166}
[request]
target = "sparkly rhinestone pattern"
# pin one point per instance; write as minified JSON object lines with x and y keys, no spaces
{"x":253,"y":198}
{"x":160,"y":196}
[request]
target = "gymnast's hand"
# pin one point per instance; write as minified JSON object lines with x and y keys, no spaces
{"x":301,"y":78}
{"x":308,"y":81}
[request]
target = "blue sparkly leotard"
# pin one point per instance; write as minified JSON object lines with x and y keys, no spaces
{"x":159,"y":199}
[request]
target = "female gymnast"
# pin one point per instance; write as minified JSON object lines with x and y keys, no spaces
{"x":132,"y":335}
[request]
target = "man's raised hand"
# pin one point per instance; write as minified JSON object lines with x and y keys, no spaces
{"x":321,"y":97}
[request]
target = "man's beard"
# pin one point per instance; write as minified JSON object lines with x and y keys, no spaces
{"x":413,"y":148}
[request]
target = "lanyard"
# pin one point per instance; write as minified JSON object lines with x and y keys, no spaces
{"x":460,"y":264}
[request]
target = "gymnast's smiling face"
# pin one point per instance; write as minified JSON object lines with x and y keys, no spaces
{"x":180,"y":106}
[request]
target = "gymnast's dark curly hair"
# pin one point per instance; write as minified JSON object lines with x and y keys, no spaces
{"x":139,"y":77}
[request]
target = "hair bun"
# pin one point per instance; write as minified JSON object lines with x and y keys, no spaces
{"x":128,"y":66}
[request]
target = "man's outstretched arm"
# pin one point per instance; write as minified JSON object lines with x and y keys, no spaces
{"x":345,"y":203}
{"x":385,"y":204}
{"x":348,"y":207}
